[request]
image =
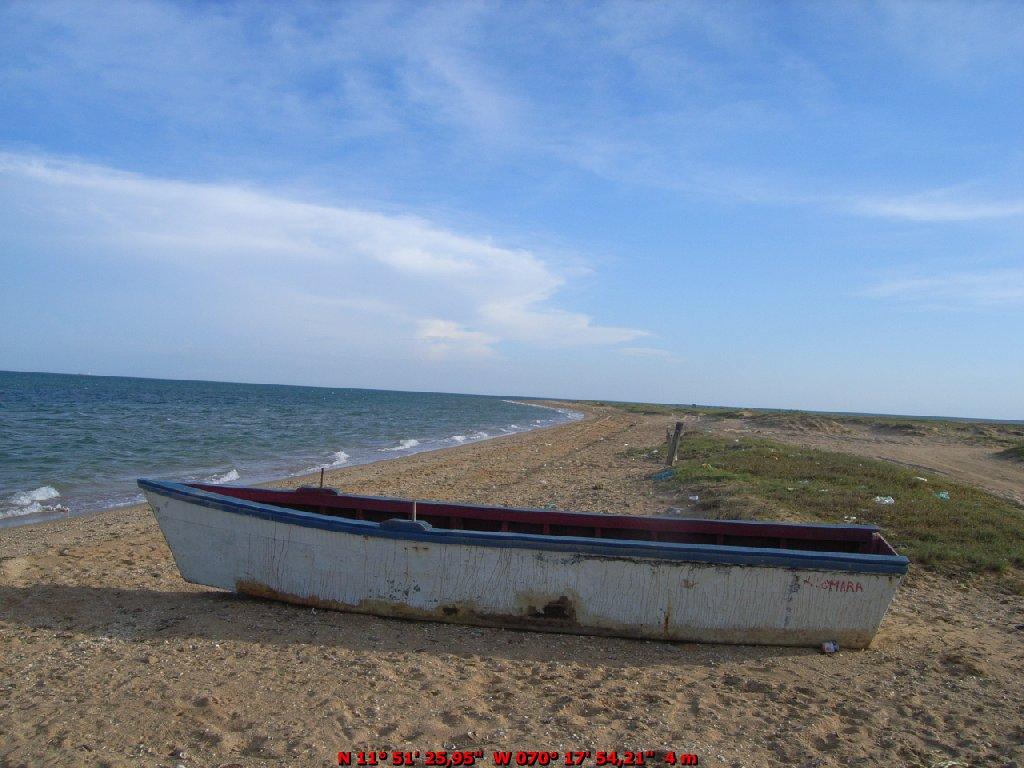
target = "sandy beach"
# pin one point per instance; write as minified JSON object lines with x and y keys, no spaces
{"x":109,"y":659}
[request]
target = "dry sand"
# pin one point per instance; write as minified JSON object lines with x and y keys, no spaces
{"x":109,"y":658}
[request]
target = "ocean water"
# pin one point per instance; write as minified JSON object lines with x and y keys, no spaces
{"x":76,"y":444}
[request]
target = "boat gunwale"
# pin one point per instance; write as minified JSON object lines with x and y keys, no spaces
{"x":716,"y":554}
{"x":612,"y":521}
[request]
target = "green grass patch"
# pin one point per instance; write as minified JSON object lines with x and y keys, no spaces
{"x":972,"y":532}
{"x":1016,"y":453}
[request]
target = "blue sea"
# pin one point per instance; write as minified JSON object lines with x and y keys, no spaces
{"x":76,"y":444}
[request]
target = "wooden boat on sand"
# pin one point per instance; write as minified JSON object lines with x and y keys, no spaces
{"x":659,"y":578}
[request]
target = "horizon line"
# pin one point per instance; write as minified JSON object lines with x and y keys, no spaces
{"x":926,"y":417}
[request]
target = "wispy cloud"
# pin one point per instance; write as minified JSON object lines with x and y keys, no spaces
{"x":649,"y":352}
{"x":930,"y":207}
{"x":660,"y":95}
{"x":954,"y":40}
{"x":446,"y":294}
{"x":956,"y":289}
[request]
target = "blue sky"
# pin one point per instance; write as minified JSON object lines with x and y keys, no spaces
{"x":797,"y":205}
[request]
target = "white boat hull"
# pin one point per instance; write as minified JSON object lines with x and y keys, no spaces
{"x":520,"y":587}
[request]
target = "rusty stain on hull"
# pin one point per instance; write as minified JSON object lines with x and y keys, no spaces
{"x":557,"y":615}
{"x":533,"y":621}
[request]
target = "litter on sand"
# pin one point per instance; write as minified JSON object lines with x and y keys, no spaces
{"x":944,"y":495}
{"x":884,"y":500}
{"x":665,"y":474}
{"x":829,"y":647}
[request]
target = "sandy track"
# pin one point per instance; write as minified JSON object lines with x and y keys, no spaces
{"x":967,"y":462}
{"x":108,"y":658}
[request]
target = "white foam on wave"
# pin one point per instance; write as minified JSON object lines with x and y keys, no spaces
{"x":458,"y":438}
{"x":29,"y":502}
{"x":567,"y":412}
{"x":228,"y":477}
{"x":338,"y":458}
{"x":404,"y":445}
{"x":42,"y":493}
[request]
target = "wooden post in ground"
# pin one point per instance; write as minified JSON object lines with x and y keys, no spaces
{"x":673,"y":445}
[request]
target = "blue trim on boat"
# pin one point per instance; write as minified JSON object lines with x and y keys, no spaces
{"x":697,"y":553}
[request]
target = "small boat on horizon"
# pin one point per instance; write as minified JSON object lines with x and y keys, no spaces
{"x":657,"y":578}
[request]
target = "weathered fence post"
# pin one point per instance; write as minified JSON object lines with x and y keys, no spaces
{"x":673,"y":444}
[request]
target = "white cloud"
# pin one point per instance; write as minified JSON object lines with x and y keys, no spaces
{"x":440,"y":292}
{"x":444,"y":339}
{"x":930,"y":207}
{"x":957,"y":289}
{"x":649,"y":352}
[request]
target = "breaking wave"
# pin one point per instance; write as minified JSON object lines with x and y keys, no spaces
{"x":566,"y":412}
{"x":404,"y":445}
{"x":30,"y":502}
{"x":228,"y":477}
{"x":338,"y":458}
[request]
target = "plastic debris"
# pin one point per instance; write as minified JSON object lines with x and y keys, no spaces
{"x":695,"y":497}
{"x":830,"y":647}
{"x":665,"y":474}
{"x":922,"y":479}
{"x":884,"y":500}
{"x":944,"y":495}
{"x":849,"y":518}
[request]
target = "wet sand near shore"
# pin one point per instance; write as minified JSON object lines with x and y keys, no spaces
{"x":108,"y":658}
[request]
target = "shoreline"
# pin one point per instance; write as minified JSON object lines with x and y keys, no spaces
{"x":572,"y":415}
{"x":354,"y":478}
{"x":294,"y":481}
{"x":95,"y":618}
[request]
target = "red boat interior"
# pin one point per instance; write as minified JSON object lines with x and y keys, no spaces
{"x":735,"y":533}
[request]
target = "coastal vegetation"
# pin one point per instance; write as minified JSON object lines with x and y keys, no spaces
{"x":1006,"y":434}
{"x":1014,"y":453}
{"x":943,"y":525}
